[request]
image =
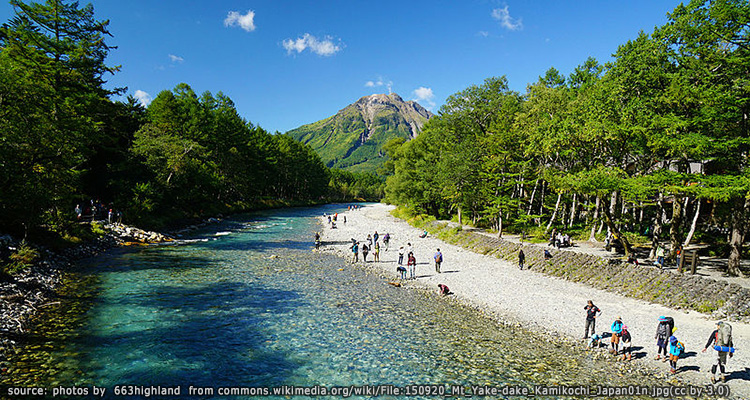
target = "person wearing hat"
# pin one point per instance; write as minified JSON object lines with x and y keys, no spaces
{"x":663,"y":331}
{"x":616,"y":332}
{"x":675,"y":349}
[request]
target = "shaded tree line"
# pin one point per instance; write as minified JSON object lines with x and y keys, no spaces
{"x":655,"y":142}
{"x":63,"y":140}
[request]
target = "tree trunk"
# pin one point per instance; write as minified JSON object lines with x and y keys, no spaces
{"x":541,"y":204}
{"x":554,"y":214}
{"x":616,"y":232}
{"x":459,"y":216}
{"x":592,"y":237}
{"x":613,"y":205}
{"x":675,"y":227}
{"x":533,"y":193}
{"x":573,"y":210}
{"x":739,"y":226}
{"x":694,"y":224}
{"x":658,"y":222}
{"x":500,"y":225}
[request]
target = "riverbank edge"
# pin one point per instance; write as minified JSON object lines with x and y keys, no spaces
{"x":642,"y":366}
{"x":37,"y":287}
{"x":721,"y":300}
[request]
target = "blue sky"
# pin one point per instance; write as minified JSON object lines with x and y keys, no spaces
{"x":288,"y":63}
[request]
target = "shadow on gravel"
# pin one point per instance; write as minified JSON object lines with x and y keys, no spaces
{"x":743,"y":375}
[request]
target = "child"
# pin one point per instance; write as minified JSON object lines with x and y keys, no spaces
{"x":376,"y":253}
{"x":401,"y":270}
{"x":675,"y":350}
{"x":627,"y":344}
{"x":443,"y":290}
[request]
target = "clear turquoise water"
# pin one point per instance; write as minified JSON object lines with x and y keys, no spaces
{"x":250,"y":304}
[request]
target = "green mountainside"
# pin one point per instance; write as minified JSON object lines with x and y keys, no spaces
{"x":353,"y":138}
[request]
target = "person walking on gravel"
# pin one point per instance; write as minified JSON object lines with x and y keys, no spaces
{"x":616,"y":329}
{"x":412,"y":264}
{"x":355,"y":252}
{"x":401,"y":255}
{"x":438,"y":260}
{"x":591,"y":311}
{"x":663,"y":332}
{"x":722,"y":337}
{"x":521,"y":259}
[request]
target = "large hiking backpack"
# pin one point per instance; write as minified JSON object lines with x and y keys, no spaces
{"x":670,"y":325}
{"x":724,"y":337}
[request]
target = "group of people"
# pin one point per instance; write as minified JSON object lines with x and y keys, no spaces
{"x":558,"y":239}
{"x":98,"y":211}
{"x":333,"y":218}
{"x":669,"y":348}
{"x":371,"y":244}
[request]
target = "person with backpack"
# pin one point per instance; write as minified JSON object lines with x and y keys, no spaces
{"x":591,"y":311}
{"x":365,"y":251}
{"x":722,"y":337}
{"x":355,"y":252}
{"x":676,"y":348}
{"x":438,"y":260}
{"x":386,"y":240}
{"x":521,"y":259}
{"x":616,"y":329}
{"x":627,"y":344}
{"x":663,"y":331}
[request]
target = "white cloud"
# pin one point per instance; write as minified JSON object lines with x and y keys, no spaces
{"x":380,"y":82}
{"x":425,"y":96}
{"x":143,"y":97}
{"x":246,"y":22}
{"x":325,"y":47}
{"x":483,"y":34}
{"x":506,"y":21}
{"x":176,"y":59}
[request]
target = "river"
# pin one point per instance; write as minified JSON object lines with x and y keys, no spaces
{"x":246,"y":303}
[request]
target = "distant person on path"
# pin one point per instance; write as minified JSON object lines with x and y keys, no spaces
{"x":401,"y":270}
{"x":660,"y":256}
{"x":78,"y":211}
{"x":438,"y":260}
{"x":412,"y":264}
{"x":376,"y":252}
{"x":344,"y":217}
{"x":317,"y":240}
{"x":722,"y":337}
{"x":616,"y":329}
{"x":401,"y":255}
{"x":675,"y":350}
{"x":591,"y":311}
{"x":547,"y":254}
{"x":369,"y":239}
{"x":375,"y":237}
{"x":627,"y":344}
{"x":365,"y":251}
{"x":355,"y":252}
{"x":521,"y":259}
{"x":386,"y":240}
{"x":663,"y":332}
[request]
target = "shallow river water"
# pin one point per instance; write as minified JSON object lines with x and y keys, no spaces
{"x":248,"y":304}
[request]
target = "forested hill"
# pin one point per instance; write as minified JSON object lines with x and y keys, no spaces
{"x":353,"y":139}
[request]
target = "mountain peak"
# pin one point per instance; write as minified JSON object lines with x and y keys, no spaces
{"x":354,"y":137}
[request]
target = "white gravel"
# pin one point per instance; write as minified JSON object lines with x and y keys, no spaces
{"x":540,"y":301}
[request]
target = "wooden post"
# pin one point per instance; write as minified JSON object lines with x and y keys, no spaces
{"x":694,"y":262}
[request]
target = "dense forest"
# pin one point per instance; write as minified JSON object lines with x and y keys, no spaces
{"x":64,"y":141}
{"x":652,"y":146}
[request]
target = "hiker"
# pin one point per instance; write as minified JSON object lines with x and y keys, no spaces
{"x":591,"y":311}
{"x":376,"y":253}
{"x":401,"y":255}
{"x":521,"y":259}
{"x":438,"y":260}
{"x":676,"y":348}
{"x":443,"y":290}
{"x":78,"y":211}
{"x":369,"y":239}
{"x":547,"y":254}
{"x":660,"y":256}
{"x":411,"y":262}
{"x":627,"y":344}
{"x":663,"y":331}
{"x":722,"y":337}
{"x":386,"y":240}
{"x":355,"y":252}
{"x":344,"y":217}
{"x":375,"y":237}
{"x":317,"y":240}
{"x":616,"y":329}
{"x":365,"y":251}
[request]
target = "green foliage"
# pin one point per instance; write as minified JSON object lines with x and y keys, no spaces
{"x":21,"y":259}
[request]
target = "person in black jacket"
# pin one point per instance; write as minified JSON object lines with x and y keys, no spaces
{"x":721,"y":356}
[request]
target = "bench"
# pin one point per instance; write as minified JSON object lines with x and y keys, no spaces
{"x":689,"y":258}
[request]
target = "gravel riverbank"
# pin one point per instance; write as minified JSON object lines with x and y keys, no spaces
{"x":542,"y":303}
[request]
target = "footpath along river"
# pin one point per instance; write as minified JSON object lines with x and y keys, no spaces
{"x":247,"y":304}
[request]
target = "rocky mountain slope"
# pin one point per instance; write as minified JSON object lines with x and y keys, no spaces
{"x":353,"y":138}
